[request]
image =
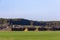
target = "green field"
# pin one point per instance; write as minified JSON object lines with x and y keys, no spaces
{"x":42,"y":35}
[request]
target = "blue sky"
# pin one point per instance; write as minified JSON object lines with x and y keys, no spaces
{"x":41,"y":10}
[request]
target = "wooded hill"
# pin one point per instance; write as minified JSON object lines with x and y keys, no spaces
{"x":18,"y":21}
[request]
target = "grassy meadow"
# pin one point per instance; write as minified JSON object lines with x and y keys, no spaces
{"x":41,"y":35}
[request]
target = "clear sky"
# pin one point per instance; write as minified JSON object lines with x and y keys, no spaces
{"x":41,"y":10}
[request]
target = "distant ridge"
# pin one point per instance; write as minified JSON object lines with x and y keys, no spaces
{"x":21,"y":21}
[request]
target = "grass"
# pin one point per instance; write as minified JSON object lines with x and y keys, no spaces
{"x":42,"y":35}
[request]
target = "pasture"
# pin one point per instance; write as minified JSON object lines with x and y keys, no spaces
{"x":41,"y":35}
